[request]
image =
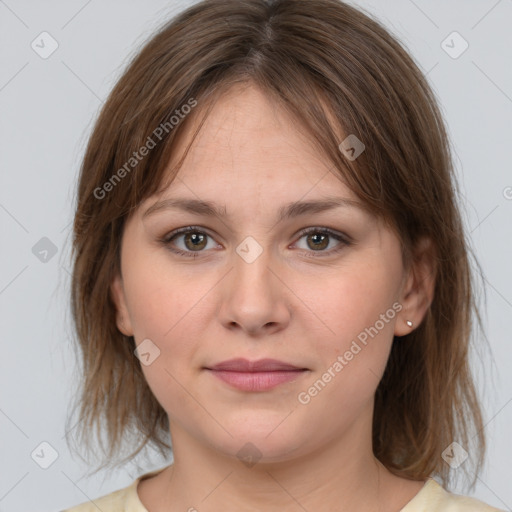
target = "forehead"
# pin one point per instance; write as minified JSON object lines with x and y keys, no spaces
{"x":249,"y":140}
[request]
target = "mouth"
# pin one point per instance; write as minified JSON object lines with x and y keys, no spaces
{"x":260,"y":375}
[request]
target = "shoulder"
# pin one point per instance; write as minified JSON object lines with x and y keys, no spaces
{"x":433,"y":497}
{"x":117,"y":501}
{"x":122,"y":500}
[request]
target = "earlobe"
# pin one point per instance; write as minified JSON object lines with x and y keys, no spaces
{"x":418,"y":291}
{"x":123,"y":321}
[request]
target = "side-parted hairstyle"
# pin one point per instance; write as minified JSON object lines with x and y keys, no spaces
{"x":337,"y":71}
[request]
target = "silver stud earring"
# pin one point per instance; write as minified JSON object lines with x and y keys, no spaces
{"x":409,"y":323}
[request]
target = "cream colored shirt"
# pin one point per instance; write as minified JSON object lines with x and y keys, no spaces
{"x":432,"y":497}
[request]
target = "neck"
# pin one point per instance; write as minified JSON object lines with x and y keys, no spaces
{"x":339,"y":476}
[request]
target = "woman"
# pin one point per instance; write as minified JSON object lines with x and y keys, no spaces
{"x":271,"y":271}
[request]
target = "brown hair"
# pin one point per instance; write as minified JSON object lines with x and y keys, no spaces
{"x":336,"y":70}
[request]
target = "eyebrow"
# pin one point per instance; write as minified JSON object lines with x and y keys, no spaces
{"x":288,"y":211}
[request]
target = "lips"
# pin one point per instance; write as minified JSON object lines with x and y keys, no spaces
{"x":262,"y":365}
{"x":256,"y":376}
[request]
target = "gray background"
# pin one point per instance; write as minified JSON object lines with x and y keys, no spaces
{"x":47,"y":107}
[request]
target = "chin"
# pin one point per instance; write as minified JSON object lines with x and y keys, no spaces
{"x":261,"y":441}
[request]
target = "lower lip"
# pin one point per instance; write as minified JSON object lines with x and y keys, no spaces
{"x":256,"y":381}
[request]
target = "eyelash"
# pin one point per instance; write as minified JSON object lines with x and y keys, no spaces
{"x":167,"y":239}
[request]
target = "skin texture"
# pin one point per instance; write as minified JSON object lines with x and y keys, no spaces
{"x":294,"y":303}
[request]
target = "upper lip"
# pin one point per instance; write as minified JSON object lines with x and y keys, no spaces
{"x":262,"y":365}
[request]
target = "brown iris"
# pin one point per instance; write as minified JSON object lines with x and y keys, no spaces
{"x":198,"y":241}
{"x":325,"y":240}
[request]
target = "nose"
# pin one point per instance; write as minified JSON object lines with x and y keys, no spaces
{"x":254,"y":298}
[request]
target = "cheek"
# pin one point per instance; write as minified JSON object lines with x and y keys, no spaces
{"x":166,"y":308}
{"x":352,"y":330}
{"x":353,"y":359}
{"x":350,"y":300}
{"x":160,"y":300}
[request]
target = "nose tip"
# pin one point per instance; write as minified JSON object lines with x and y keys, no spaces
{"x":254,"y":299}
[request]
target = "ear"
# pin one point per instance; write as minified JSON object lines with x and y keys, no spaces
{"x":122,"y":316}
{"x":419,"y":285}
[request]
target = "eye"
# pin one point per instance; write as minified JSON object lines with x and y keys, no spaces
{"x":194,"y":241}
{"x":317,"y":239}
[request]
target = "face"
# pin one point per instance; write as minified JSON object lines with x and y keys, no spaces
{"x":321,"y":289}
